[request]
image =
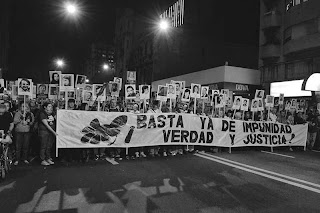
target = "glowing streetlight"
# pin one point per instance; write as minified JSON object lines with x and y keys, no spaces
{"x":164,"y":25}
{"x":105,"y":66}
{"x":60,"y":63}
{"x":71,"y":8}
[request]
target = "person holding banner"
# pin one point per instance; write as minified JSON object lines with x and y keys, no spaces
{"x":47,"y":133}
{"x":23,"y":120}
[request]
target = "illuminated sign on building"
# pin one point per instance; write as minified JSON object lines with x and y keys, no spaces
{"x":175,"y":12}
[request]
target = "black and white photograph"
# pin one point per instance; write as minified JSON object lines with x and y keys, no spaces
{"x":245,"y":104}
{"x":42,"y":89}
{"x":53,"y":91}
{"x":80,"y":81}
{"x":144,"y":91}
{"x":114,"y":88}
{"x":237,"y":103}
{"x":204,"y":93}
{"x":66,"y":82}
{"x":269,"y":101}
{"x":24,"y":86}
{"x":87,"y":96}
{"x":171,"y":92}
{"x":162,"y":92}
{"x":2,"y":86}
{"x":130,"y":91}
{"x":118,"y":80}
{"x":254,"y":105}
{"x":131,"y":77}
{"x":195,"y":90}
{"x":160,"y":106}
{"x":54,"y":77}
{"x":186,"y":95}
{"x":259,"y":94}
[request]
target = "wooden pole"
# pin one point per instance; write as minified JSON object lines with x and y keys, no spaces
{"x":195,"y":106}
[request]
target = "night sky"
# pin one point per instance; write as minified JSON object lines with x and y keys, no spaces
{"x":39,"y":33}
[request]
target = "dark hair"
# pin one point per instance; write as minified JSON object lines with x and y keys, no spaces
{"x":71,"y":100}
{"x":45,"y":104}
{"x":195,"y":87}
{"x":144,"y":87}
{"x":130,"y":87}
{"x":83,"y":106}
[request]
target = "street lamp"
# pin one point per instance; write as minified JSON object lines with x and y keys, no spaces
{"x":71,"y":9}
{"x":105,"y":66}
{"x":164,"y":25}
{"x":60,"y":63}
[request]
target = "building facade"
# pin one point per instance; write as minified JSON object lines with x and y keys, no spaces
{"x":99,"y":54}
{"x":200,"y":38}
{"x":289,"y":40}
{"x":5,"y":8}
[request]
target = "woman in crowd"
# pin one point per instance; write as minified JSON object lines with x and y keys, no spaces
{"x":47,"y":133}
{"x":23,"y":121}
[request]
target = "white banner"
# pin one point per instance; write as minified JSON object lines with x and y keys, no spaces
{"x":85,"y":129}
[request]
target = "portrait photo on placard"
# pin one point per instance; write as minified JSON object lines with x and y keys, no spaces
{"x":2,"y":86}
{"x":195,"y":90}
{"x":9,"y":85}
{"x":254,"y":105}
{"x":178,"y":85}
{"x":237,"y":102}
{"x":218,"y":103}
{"x":225,"y":92}
{"x":215,"y":93}
{"x":87,"y":96}
{"x":42,"y":89}
{"x":131,"y":76}
{"x":260,"y":104}
{"x":114,"y":89}
{"x":186,"y":94}
{"x":66,"y":81}
{"x":204,"y":93}
{"x":24,"y":86}
{"x":80,"y":81}
{"x":118,"y":80}
{"x":53,"y":90}
{"x":281,"y":99}
{"x":269,"y":101}
{"x":259,"y":94}
{"x":71,"y":94}
{"x":245,"y":104}
{"x":54,"y":77}
{"x":144,"y":91}
{"x":171,"y":92}
{"x":130,"y":91}
{"x":162,"y":91}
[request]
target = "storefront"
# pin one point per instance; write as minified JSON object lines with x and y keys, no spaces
{"x":241,"y":81}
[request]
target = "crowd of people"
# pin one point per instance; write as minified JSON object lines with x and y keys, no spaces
{"x":32,"y":127}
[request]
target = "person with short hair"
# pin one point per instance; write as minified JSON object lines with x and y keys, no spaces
{"x":6,"y":124}
{"x":47,"y":133}
{"x":23,"y":120}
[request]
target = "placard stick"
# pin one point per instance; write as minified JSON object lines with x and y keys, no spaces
{"x":65,"y":100}
{"x":269,"y":113}
{"x":195,"y":106}
{"x":234,"y":113}
{"x":243,"y":115}
{"x":24,"y":108}
{"x":98,"y":106}
{"x":202,"y":106}
{"x":170,"y":105}
{"x":230,"y":150}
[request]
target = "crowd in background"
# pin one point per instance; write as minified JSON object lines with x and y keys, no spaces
{"x":33,"y":128}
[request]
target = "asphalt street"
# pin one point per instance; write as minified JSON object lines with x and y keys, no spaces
{"x":243,"y":181}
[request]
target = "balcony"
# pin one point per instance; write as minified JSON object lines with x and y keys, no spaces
{"x":303,"y":43}
{"x":270,"y":51}
{"x":271,"y":19}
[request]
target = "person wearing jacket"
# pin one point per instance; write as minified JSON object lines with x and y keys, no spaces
{"x":23,"y":120}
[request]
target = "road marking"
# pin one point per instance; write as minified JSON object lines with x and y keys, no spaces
{"x":288,"y":156}
{"x":252,"y":168}
{"x":112,"y":161}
